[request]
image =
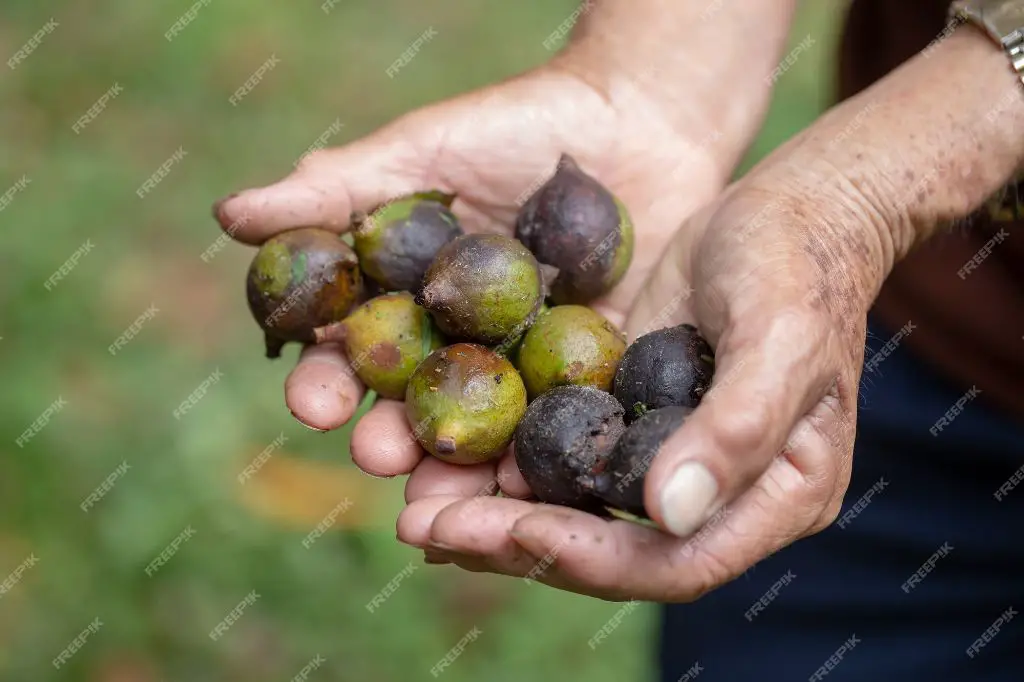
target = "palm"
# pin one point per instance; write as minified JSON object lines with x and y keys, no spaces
{"x":493,"y":147}
{"x":489,"y":148}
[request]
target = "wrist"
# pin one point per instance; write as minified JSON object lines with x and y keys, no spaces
{"x":704,"y":68}
{"x":923,"y":147}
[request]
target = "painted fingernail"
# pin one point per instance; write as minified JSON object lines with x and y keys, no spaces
{"x":687,"y":498}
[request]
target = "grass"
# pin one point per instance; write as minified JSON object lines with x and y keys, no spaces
{"x":178,"y":474}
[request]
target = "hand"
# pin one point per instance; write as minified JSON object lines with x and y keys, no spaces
{"x":783,"y":268}
{"x":768,"y":452}
{"x":489,"y":148}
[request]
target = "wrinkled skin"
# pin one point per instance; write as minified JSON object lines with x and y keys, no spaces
{"x":463,"y":403}
{"x":300,"y":280}
{"x":385,"y":339}
{"x":670,"y":366}
{"x":563,"y":440}
{"x":483,"y":288}
{"x":799,"y":362}
{"x":576,"y":225}
{"x":570,"y":344}
{"x":399,"y":240}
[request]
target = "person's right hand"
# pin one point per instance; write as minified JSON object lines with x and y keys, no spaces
{"x":491,"y":148}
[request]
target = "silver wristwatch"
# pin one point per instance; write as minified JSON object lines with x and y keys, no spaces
{"x":1003,"y":20}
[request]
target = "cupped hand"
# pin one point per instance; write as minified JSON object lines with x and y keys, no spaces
{"x":491,"y":148}
{"x":780,"y":283}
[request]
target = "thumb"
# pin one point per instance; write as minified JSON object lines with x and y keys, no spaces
{"x":769,"y":373}
{"x":327,"y":185}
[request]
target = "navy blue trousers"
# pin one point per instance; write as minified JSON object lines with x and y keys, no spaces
{"x":922,"y":578}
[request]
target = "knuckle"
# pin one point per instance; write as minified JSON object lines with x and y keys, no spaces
{"x":313,"y":162}
{"x":743,"y":430}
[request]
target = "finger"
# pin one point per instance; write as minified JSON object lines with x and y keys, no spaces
{"x":327,"y":186}
{"x":322,"y":392}
{"x":510,"y":478}
{"x":383,"y":443}
{"x":481,"y":528}
{"x":621,"y":560}
{"x":768,"y":374}
{"x":413,"y":525}
{"x":434,"y":477}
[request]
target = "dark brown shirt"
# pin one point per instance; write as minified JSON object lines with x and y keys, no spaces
{"x":963,"y":292}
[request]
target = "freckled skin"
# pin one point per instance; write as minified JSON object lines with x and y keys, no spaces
{"x":484,"y":288}
{"x":463,"y":403}
{"x":671,"y":366}
{"x":570,"y":344}
{"x":564,"y":440}
{"x":299,"y":280}
{"x":576,"y":225}
{"x":385,"y":339}
{"x":397,"y":242}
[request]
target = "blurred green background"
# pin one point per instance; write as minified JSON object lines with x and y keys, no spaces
{"x":177,"y":477}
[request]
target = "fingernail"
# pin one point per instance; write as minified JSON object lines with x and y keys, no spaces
{"x":687,"y":498}
{"x":219,"y":204}
{"x":441,"y":546}
{"x":311,"y":428}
